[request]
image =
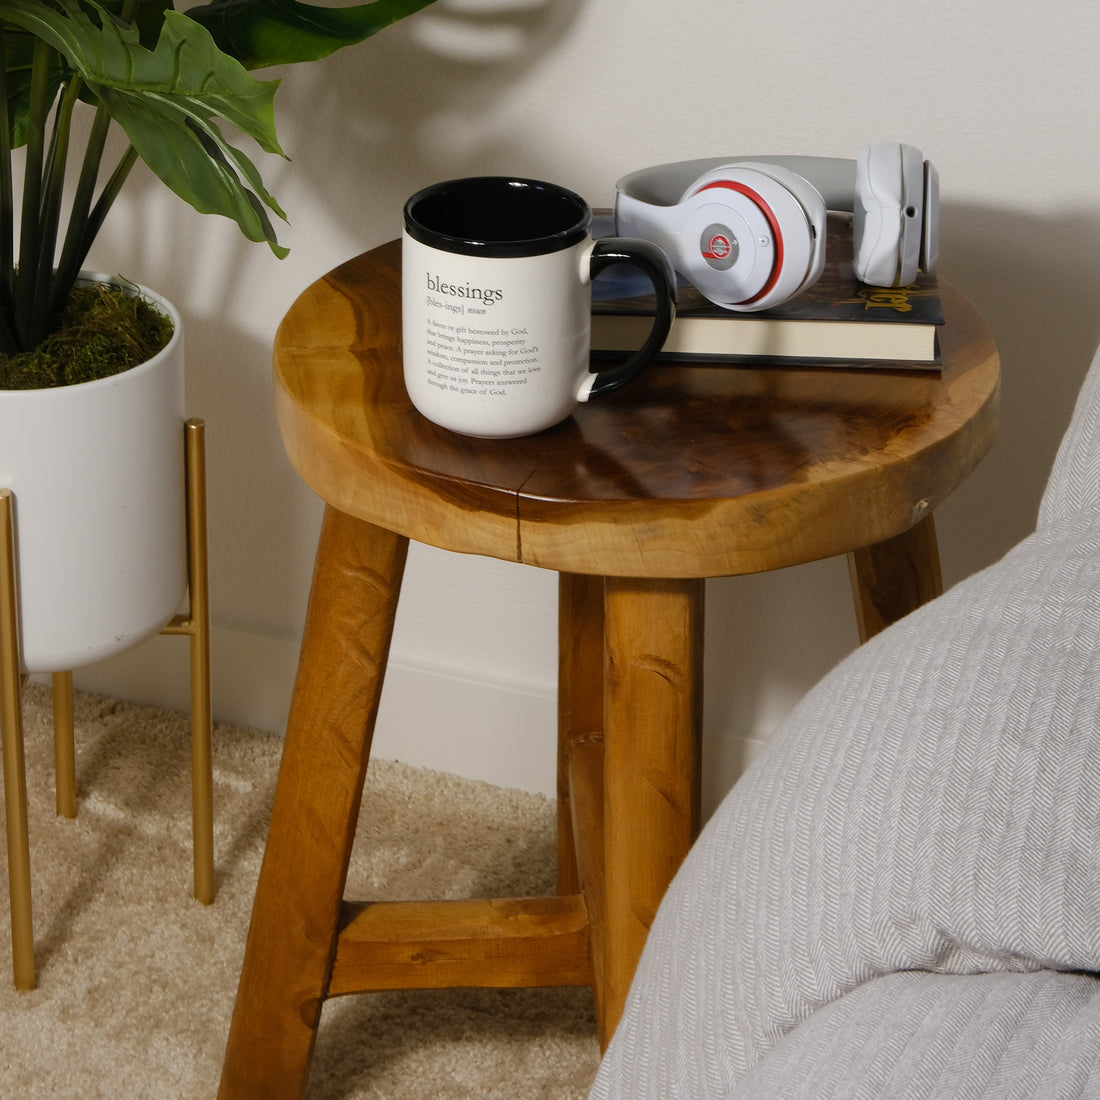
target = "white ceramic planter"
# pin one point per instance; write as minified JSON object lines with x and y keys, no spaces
{"x":98,"y":476}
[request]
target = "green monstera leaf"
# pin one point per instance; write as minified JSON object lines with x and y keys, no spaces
{"x":260,"y":33}
{"x":170,"y":100}
{"x":171,"y":81}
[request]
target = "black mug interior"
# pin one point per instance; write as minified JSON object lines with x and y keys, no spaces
{"x":497,"y":216}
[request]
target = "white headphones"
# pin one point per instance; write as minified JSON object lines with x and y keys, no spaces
{"x":749,"y":232}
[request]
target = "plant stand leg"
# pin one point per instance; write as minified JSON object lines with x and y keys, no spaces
{"x":15,"y":776}
{"x":64,"y":747}
{"x":202,"y":719}
{"x":196,"y":625}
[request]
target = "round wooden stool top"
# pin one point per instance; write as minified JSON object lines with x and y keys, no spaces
{"x":691,"y":471}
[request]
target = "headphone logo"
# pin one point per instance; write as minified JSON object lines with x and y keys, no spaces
{"x":718,"y":246}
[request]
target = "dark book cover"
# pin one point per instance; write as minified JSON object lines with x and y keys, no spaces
{"x":900,"y":322}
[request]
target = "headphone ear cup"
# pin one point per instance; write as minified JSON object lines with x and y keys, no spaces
{"x":892,"y":223}
{"x":753,"y":235}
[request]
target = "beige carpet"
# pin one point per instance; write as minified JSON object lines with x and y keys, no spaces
{"x":137,"y":980}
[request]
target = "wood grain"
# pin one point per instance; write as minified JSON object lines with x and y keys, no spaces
{"x":652,"y":730}
{"x":299,"y":896}
{"x":692,"y":471}
{"x":501,"y":944}
{"x":585,"y":769}
{"x":893,"y":578}
{"x":580,"y":698}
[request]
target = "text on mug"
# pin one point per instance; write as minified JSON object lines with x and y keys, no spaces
{"x":457,"y":290}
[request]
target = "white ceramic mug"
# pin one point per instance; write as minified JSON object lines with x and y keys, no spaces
{"x":496,"y":304}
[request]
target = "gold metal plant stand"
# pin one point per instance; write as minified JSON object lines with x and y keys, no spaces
{"x":195,"y":624}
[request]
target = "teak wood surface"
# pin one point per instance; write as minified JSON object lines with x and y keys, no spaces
{"x":690,"y":472}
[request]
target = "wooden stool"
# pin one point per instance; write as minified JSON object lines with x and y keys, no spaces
{"x":692,"y":472}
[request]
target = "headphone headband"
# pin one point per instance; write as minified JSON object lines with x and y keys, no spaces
{"x":665,"y":184}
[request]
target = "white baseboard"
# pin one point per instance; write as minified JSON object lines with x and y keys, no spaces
{"x":500,"y":733}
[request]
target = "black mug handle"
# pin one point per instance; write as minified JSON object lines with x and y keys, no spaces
{"x":652,"y":260}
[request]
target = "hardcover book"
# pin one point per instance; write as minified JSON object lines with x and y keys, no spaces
{"x":836,"y":319}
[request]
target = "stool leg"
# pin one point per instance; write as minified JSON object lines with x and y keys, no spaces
{"x":64,"y":747}
{"x":296,"y":912}
{"x":652,"y":731}
{"x":580,"y":697}
{"x":15,"y":773}
{"x":895,"y":577}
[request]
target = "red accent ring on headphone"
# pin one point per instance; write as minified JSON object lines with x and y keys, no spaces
{"x":777,"y":236}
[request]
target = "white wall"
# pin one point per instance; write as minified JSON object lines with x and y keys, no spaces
{"x":1002,"y":97}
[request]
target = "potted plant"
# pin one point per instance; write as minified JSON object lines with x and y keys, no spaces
{"x":94,"y":456}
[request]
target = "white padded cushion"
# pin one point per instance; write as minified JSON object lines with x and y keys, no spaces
{"x":933,"y":804}
{"x":914,"y":1036}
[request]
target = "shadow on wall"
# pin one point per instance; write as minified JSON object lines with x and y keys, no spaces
{"x":365,"y":128}
{"x":425,"y":97}
{"x":1034,"y":279}
{"x":771,"y":637}
{"x":362,"y":129}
